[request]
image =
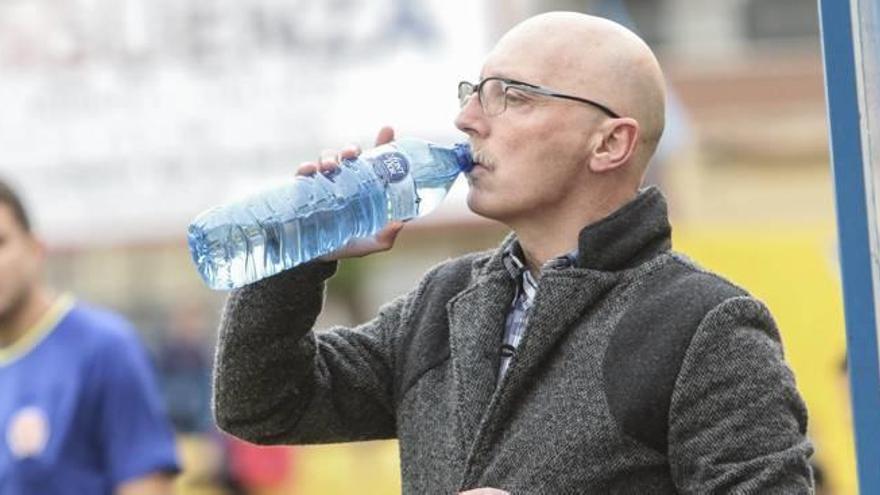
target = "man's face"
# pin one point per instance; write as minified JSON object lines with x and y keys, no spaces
{"x":20,"y":261}
{"x":531,"y":157}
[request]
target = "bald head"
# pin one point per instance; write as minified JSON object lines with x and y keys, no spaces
{"x":590,"y":57}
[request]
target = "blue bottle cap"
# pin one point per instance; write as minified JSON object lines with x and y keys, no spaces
{"x":463,"y":154}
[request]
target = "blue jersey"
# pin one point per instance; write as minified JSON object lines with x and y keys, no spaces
{"x":80,"y":411}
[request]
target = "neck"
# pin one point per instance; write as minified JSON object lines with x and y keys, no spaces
{"x":555,"y":233}
{"x":23,"y":314}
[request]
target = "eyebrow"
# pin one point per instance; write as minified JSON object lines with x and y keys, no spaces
{"x":502,"y":75}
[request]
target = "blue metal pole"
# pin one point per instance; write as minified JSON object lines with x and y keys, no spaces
{"x":851,"y":190}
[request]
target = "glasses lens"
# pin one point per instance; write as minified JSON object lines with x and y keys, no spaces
{"x":492,"y":97}
{"x":465,"y":90}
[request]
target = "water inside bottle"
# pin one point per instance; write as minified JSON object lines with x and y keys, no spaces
{"x":250,"y":240}
{"x":235,"y":248}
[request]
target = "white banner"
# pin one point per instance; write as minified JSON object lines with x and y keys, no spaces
{"x":123,"y":119}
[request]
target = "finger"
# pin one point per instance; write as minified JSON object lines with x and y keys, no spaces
{"x":385,"y":238}
{"x":350,"y":151}
{"x":386,"y":135}
{"x":363,"y":246}
{"x":307,"y":168}
{"x":328,"y":161}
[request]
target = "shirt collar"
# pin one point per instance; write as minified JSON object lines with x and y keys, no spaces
{"x":516,"y":267}
{"x":39,"y":331}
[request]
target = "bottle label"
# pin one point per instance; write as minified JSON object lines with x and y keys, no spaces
{"x":392,"y":167}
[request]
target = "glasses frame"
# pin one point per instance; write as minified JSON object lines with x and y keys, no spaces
{"x":467,"y":89}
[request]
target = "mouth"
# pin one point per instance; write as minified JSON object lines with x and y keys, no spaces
{"x":482,"y":160}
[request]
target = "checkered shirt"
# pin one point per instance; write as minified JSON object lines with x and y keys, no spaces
{"x":527,"y":287}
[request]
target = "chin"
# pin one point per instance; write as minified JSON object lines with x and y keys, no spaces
{"x":486,"y":209}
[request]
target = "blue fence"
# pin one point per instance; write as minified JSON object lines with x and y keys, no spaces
{"x":855,"y":198}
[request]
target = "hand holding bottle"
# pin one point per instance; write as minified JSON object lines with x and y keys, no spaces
{"x":359,"y":246}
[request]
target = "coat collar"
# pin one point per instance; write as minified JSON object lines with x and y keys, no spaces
{"x":631,"y":235}
{"x":635,"y":233}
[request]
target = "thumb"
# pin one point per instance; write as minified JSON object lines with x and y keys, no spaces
{"x":388,"y":235}
{"x":386,"y":135}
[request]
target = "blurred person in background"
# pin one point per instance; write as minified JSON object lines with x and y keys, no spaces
{"x":580,"y":356}
{"x":80,"y":410}
{"x":211,"y":459}
{"x":184,"y":366}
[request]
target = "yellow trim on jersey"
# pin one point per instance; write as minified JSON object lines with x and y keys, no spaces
{"x":40,"y":330}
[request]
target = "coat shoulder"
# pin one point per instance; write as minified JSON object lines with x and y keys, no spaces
{"x":664,"y":309}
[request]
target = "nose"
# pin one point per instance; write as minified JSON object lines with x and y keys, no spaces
{"x":471,"y":120}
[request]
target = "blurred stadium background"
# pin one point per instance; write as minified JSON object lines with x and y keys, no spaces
{"x":122,"y":119}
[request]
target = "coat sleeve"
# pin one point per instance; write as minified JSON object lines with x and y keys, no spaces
{"x":737,"y":422}
{"x":277,"y":381}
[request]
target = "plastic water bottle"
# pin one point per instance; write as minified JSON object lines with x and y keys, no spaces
{"x":242,"y":242}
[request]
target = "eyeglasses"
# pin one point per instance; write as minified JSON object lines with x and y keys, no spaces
{"x":492,"y":93}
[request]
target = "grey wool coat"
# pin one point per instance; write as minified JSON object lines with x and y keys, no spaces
{"x":639,"y":373}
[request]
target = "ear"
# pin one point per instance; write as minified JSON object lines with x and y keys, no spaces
{"x":618,"y":143}
{"x":38,"y":247}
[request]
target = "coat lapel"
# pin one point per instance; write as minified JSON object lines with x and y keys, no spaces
{"x":476,"y":325}
{"x":559,"y":304}
{"x":562,"y":298}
